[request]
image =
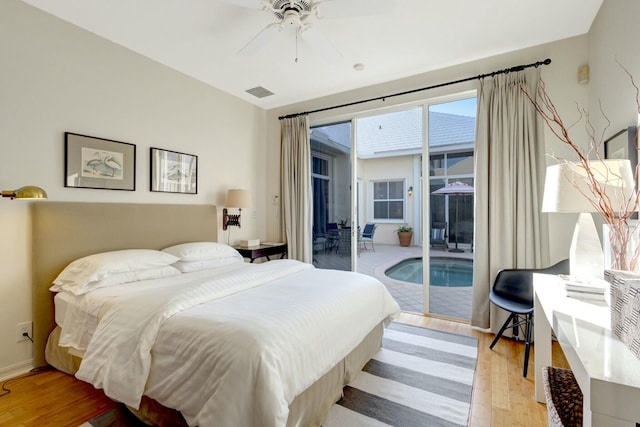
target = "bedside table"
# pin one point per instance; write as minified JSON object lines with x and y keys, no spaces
{"x":255,"y":252}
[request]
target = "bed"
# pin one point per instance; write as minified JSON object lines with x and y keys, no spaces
{"x":290,"y":378}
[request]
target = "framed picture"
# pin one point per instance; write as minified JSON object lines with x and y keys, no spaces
{"x":622,"y":145}
{"x":91,"y":162}
{"x":173,"y":172}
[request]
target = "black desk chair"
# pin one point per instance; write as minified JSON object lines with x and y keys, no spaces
{"x":513,"y":292}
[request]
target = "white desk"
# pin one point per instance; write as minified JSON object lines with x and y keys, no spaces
{"x":606,"y":371}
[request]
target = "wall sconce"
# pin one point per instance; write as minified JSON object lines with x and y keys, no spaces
{"x":235,"y":199}
{"x":410,"y":191}
{"x":27,"y":192}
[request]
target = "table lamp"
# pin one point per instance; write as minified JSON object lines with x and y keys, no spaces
{"x":567,"y":189}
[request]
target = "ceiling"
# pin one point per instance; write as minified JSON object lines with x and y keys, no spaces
{"x":201,"y":38}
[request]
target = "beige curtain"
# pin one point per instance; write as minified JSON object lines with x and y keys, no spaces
{"x":295,"y":187}
{"x":510,"y":231}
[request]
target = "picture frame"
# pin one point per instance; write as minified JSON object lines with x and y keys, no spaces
{"x":98,"y":163}
{"x":173,"y":172}
{"x":622,"y":145}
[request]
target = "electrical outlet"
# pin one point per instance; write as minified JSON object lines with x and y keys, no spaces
{"x":25,"y":327}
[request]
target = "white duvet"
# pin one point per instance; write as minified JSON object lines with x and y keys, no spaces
{"x":237,"y":348}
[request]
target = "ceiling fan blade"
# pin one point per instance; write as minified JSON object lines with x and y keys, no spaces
{"x":249,"y":4}
{"x":261,"y":39}
{"x":353,"y":8}
{"x":320,"y":44}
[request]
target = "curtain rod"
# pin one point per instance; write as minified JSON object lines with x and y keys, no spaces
{"x":478,"y":77}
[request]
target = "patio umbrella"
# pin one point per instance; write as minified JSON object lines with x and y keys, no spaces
{"x":455,"y":188}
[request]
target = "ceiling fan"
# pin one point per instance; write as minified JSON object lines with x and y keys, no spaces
{"x":301,"y":16}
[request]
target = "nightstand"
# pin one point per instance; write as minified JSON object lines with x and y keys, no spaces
{"x":255,"y":252}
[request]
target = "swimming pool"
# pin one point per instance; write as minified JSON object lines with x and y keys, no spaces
{"x":443,"y":271}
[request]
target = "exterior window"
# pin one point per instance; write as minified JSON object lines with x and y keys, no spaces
{"x":388,"y":200}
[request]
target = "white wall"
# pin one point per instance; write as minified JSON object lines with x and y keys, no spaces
{"x":614,"y":36}
{"x":56,"y":78}
{"x":560,"y":77}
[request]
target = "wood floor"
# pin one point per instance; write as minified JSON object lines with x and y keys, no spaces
{"x":501,"y":396}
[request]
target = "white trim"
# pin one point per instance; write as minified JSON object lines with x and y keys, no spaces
{"x":16,"y":369}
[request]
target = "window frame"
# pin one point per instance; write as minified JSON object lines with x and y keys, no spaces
{"x":374,"y":200}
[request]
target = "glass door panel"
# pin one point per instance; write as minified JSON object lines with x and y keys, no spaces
{"x":451,"y":140}
{"x":331,"y":192}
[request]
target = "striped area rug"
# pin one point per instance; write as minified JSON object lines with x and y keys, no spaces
{"x":420,"y":377}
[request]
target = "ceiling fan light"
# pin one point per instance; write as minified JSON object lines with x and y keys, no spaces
{"x":292,"y":18}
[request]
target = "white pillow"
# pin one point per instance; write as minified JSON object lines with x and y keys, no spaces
{"x":115,"y":279}
{"x":96,"y":267}
{"x":190,"y":266}
{"x":200,"y":251}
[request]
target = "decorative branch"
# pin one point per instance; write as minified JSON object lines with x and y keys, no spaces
{"x":617,"y":214}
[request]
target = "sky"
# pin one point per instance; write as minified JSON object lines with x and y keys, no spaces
{"x":464,"y":107}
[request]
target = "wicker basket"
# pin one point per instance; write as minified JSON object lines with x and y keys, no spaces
{"x":564,"y":398}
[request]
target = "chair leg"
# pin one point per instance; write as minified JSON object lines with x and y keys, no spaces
{"x":504,"y":326}
{"x":527,"y":345}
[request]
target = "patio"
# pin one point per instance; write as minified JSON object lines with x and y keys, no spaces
{"x":444,"y":301}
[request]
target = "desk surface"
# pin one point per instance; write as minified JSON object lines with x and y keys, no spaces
{"x":606,"y":370}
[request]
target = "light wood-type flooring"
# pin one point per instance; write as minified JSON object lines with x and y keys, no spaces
{"x":501,"y":396}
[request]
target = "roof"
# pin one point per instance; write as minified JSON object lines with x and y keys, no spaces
{"x":400,"y":133}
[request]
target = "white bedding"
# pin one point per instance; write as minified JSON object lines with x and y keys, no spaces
{"x":77,"y":315}
{"x":235,"y":349}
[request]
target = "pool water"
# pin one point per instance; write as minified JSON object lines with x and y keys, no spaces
{"x":443,"y":271}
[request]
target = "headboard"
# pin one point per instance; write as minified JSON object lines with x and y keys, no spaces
{"x":65,"y":231}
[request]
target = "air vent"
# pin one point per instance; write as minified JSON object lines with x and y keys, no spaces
{"x":259,"y":92}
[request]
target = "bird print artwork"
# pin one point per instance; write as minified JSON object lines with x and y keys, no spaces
{"x":101,"y":164}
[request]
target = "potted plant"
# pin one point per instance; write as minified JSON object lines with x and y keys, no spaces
{"x":405,"y":234}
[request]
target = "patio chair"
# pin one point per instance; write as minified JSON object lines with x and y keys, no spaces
{"x":439,"y":234}
{"x":367,"y":235}
{"x":512,"y":291}
{"x":344,"y":241}
{"x":333,"y":236}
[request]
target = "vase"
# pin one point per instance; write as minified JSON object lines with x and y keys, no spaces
{"x":621,"y":246}
{"x":404,"y":238}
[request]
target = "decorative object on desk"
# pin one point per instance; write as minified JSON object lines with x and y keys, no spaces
{"x":405,"y":234}
{"x":25,"y":193}
{"x":615,"y":210}
{"x":457,"y":189}
{"x":586,"y":289}
{"x":235,"y":199}
{"x":99,"y":163}
{"x":625,"y":307}
{"x":173,"y":172}
{"x":592,"y":186}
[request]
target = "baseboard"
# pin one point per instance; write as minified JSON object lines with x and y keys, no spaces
{"x":12,"y":371}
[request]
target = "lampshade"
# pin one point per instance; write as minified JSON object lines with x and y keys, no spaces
{"x":566,"y":187}
{"x":27,"y":192}
{"x":238,"y":199}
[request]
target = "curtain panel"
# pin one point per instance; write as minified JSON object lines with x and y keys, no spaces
{"x":510,"y":231}
{"x":295,"y":187}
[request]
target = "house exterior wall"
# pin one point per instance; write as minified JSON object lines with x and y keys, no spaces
{"x":386,"y":169}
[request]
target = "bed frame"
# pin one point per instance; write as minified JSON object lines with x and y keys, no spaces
{"x":65,"y":231}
